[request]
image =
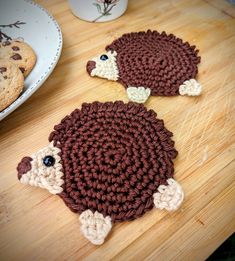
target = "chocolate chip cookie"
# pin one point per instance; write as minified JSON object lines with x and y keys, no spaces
{"x":19,"y":53}
{"x":11,"y":83}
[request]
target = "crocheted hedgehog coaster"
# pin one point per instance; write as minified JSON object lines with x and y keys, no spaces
{"x":149,"y":63}
{"x":109,"y":162}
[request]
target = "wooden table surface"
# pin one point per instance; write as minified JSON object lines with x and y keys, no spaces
{"x":35,"y":225}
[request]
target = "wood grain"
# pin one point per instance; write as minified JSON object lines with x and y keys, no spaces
{"x":35,"y":225}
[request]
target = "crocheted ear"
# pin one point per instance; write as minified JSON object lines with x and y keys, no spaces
{"x":169,"y":197}
{"x":112,"y":52}
{"x":94,"y":226}
{"x":191,"y":88}
{"x":138,"y":94}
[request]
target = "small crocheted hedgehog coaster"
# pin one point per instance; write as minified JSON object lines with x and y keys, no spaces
{"x":149,"y":63}
{"x":109,"y":162}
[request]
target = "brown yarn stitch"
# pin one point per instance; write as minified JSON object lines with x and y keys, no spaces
{"x":155,"y":60}
{"x":114,"y":157}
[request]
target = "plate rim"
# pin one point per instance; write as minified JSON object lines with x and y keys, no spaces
{"x":34,"y":87}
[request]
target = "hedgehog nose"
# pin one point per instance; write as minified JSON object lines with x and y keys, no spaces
{"x":90,"y":66}
{"x":24,"y":166}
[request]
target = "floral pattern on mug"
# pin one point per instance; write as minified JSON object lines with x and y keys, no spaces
{"x":104,"y":7}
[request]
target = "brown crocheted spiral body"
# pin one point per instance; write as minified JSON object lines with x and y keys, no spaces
{"x":114,"y":157}
{"x":155,"y":60}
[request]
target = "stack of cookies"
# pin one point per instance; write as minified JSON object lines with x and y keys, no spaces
{"x":17,"y":60}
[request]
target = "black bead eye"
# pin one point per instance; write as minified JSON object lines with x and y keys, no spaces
{"x":104,"y":57}
{"x":48,"y":161}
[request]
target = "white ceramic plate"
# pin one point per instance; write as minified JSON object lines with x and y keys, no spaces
{"x":41,"y":31}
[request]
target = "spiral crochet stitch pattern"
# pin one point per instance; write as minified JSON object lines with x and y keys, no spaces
{"x":159,"y":62}
{"x":111,"y":158}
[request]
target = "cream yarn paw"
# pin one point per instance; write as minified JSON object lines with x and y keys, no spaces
{"x":94,"y":226}
{"x":169,"y":196}
{"x":191,"y":88}
{"x":138,"y":94}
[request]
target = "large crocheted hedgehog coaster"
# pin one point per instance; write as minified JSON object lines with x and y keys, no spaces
{"x":149,"y":63}
{"x":109,"y":162}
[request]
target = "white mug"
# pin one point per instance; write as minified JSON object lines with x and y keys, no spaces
{"x":98,"y":10}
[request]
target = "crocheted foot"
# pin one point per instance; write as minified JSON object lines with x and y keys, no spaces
{"x":191,"y":88}
{"x":94,"y":226}
{"x":169,"y":196}
{"x":138,"y":94}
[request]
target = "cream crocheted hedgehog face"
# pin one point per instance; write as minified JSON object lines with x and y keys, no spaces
{"x":104,"y":66}
{"x":43,"y":169}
